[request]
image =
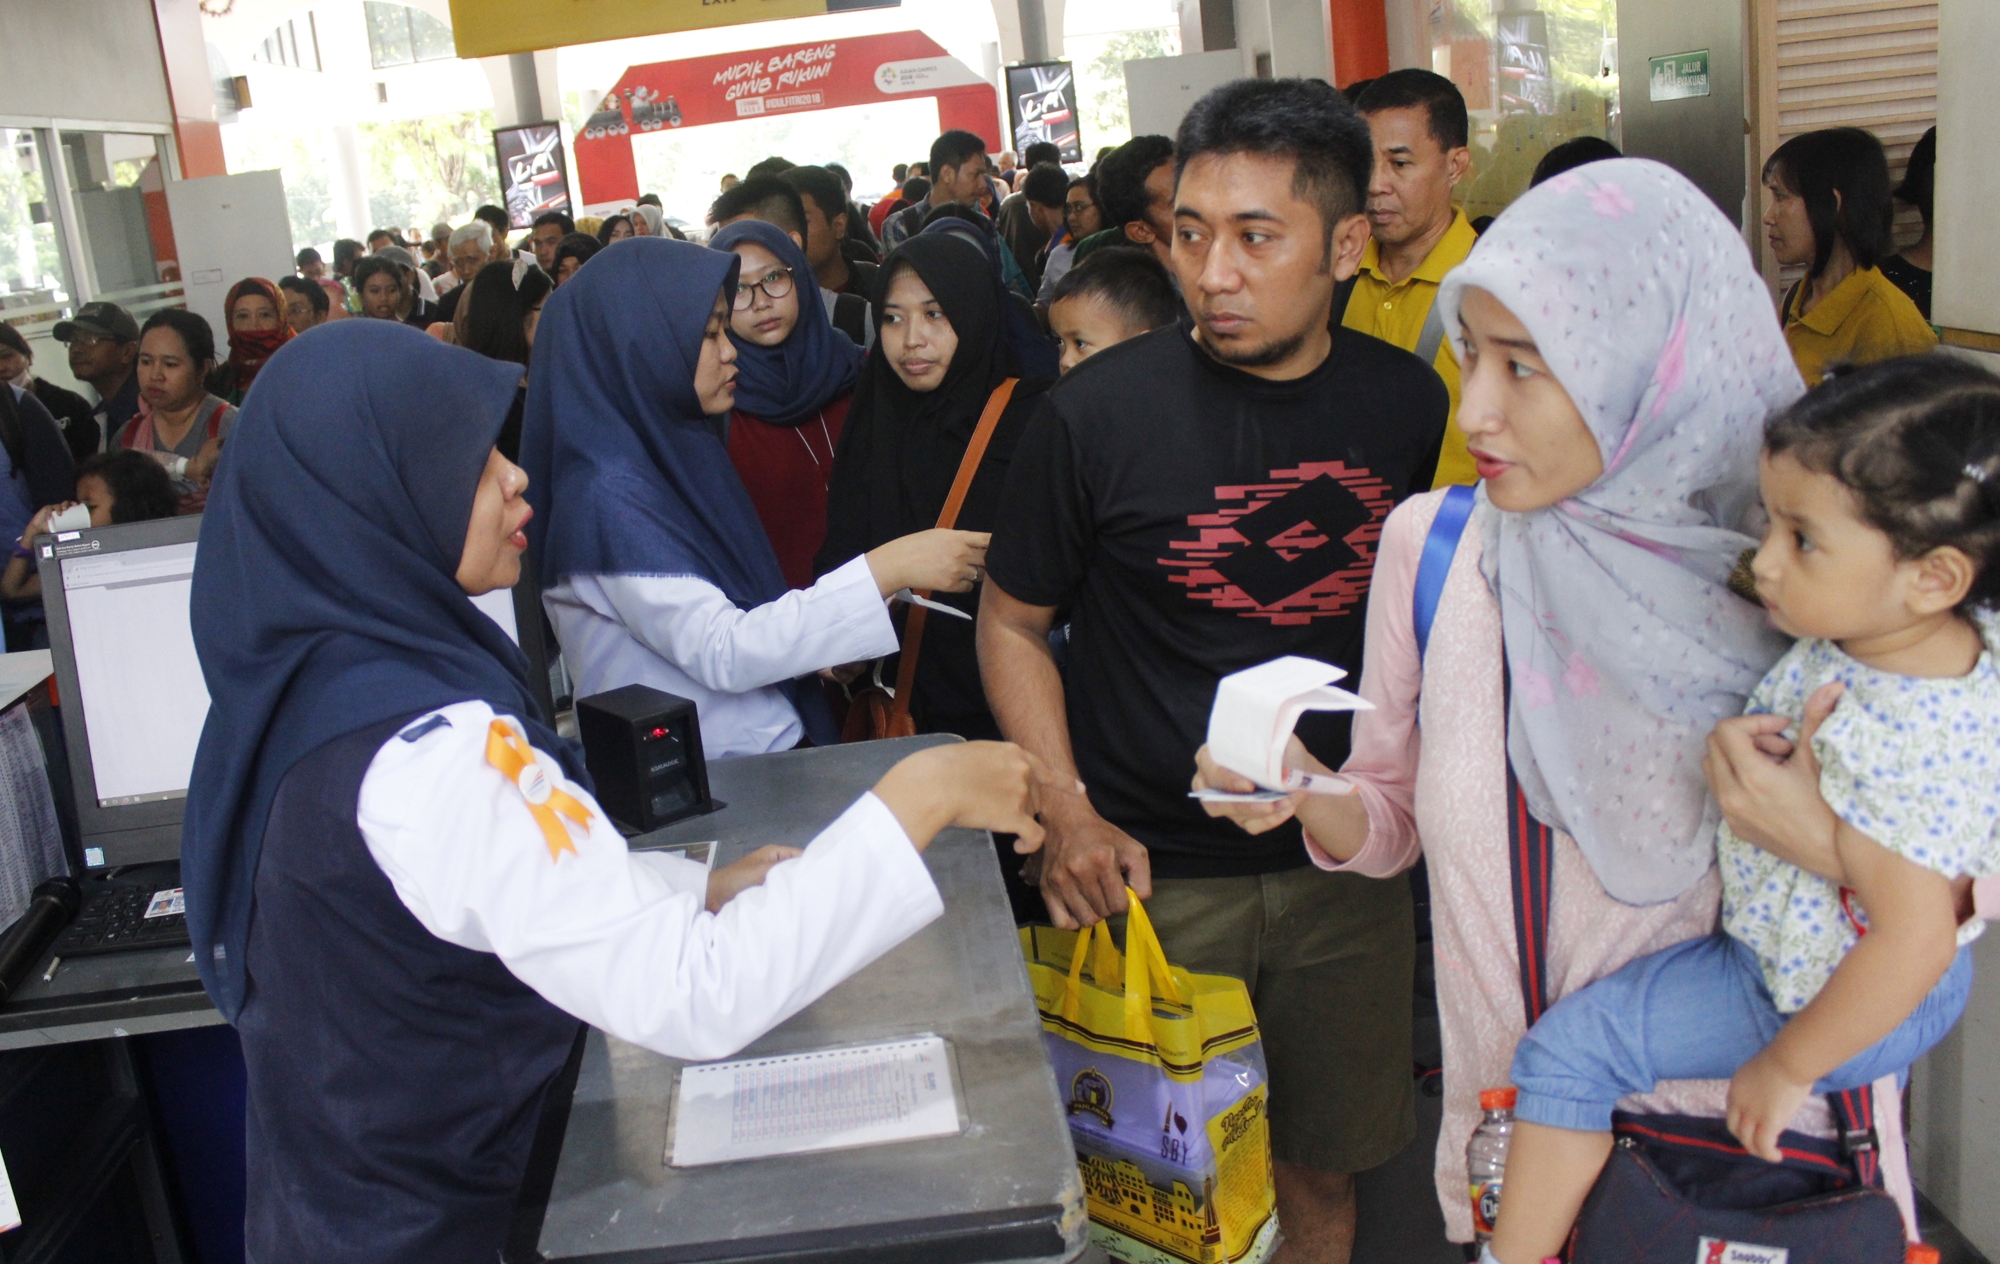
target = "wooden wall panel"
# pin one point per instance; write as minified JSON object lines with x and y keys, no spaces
{"x":1871,"y":64}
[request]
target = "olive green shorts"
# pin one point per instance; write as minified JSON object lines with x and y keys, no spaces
{"x":1329,"y":960}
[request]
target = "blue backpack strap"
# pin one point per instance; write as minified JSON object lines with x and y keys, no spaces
{"x":1439,"y":548}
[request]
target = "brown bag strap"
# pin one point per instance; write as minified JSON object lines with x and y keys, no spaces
{"x":913,"y":624}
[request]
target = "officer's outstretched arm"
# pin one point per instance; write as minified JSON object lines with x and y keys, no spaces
{"x":624,"y":940}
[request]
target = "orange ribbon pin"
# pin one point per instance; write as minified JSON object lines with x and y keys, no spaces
{"x":509,"y":752}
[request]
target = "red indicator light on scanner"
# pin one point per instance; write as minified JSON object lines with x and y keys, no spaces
{"x":659,"y":732}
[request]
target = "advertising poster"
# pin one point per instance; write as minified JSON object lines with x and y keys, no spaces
{"x":660,"y":98}
{"x":1041,"y":99}
{"x":1526,"y":84}
{"x":534,"y":177}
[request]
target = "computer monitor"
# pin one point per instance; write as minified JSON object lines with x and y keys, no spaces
{"x":132,"y":694}
{"x":134,"y":699}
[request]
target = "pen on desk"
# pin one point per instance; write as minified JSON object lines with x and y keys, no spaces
{"x":49,"y":975}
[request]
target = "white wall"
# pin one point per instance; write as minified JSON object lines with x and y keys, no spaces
{"x":1955,"y":1103}
{"x":1967,"y":288}
{"x":1955,"y":1108}
{"x":82,"y":59}
{"x":1292,"y":32}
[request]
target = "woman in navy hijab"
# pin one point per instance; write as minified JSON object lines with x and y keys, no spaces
{"x":399,"y":887}
{"x":795,"y":374}
{"x":656,"y":568}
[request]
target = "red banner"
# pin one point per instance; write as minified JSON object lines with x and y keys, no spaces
{"x":787,"y":79}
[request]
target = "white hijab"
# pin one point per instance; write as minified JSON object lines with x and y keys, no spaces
{"x":1624,"y":644}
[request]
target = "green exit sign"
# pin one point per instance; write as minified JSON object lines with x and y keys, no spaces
{"x":1678,"y":76}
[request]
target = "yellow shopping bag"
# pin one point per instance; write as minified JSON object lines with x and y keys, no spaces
{"x":1167,"y":1094}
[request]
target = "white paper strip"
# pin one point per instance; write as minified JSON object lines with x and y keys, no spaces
{"x":831,"y":1099}
{"x":10,"y":1211}
{"x":1256,"y":710}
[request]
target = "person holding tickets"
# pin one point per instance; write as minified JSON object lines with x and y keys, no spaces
{"x":399,"y":887}
{"x":654,"y":565}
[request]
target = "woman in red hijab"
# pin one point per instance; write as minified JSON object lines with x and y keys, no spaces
{"x":257,"y":328}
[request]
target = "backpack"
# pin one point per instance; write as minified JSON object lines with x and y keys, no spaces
{"x":1678,"y":1189}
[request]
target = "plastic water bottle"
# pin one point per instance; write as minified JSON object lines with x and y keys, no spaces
{"x":1486,"y":1159}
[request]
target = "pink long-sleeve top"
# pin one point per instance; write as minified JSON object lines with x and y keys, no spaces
{"x":1429,"y":763}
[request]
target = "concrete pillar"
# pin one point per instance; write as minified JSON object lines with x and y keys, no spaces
{"x":1207,"y":26}
{"x":1290,"y":37}
{"x":1034,"y":30}
{"x":524,"y":86}
{"x":345,"y":183}
{"x":1360,"y":39}
{"x":197,"y":134}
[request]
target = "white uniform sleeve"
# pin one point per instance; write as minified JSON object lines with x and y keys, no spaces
{"x":622,"y":941}
{"x":691,"y":624}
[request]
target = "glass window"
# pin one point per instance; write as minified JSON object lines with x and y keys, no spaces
{"x":399,"y":35}
{"x":32,"y":274}
{"x":430,"y":39}
{"x":1535,"y":73}
{"x":119,"y":191}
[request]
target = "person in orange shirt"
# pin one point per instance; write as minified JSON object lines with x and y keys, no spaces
{"x":1830,"y":213}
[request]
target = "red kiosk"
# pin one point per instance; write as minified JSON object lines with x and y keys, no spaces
{"x":787,"y":79}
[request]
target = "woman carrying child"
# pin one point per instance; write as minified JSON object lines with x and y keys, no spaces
{"x":1883,"y":490}
{"x":1620,"y":355}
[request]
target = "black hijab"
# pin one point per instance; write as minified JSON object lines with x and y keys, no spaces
{"x":325,"y":595}
{"x":901,"y":448}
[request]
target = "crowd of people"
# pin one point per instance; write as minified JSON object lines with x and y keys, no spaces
{"x":1037,"y":455}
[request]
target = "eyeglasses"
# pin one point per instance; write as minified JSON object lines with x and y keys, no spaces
{"x":776,"y":284}
{"x":1078,"y":208}
{"x":89,"y":342}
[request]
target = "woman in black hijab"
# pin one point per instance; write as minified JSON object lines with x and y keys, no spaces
{"x":940,"y":355}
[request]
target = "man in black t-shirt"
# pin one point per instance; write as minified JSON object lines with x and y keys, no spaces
{"x":1201,"y":499}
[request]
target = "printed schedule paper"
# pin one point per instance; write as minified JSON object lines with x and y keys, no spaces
{"x":831,"y":1099}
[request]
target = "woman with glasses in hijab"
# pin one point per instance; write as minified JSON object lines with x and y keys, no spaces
{"x":401,"y":890}
{"x":656,"y":569}
{"x":795,"y":376}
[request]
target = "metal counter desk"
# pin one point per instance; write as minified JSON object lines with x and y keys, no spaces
{"x":1006,"y":1189}
{"x":99,"y":998}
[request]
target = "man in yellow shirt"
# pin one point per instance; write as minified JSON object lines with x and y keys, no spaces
{"x":1420,"y":128}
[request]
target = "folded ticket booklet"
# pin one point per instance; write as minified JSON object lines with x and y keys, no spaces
{"x":798,"y":1103}
{"x":1256,"y":710}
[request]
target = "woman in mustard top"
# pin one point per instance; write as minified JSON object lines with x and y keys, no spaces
{"x":1830,"y":213}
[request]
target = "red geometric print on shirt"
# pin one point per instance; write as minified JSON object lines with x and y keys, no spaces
{"x":1298,"y":548}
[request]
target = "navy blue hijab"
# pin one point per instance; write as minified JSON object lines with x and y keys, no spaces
{"x":325,"y":597}
{"x":792,"y":381}
{"x":626,"y":474}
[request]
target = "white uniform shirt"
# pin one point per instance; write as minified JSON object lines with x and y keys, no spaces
{"x":682,"y":635}
{"x":623,"y":940}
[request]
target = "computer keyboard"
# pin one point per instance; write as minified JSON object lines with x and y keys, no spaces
{"x":113,"y":919}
